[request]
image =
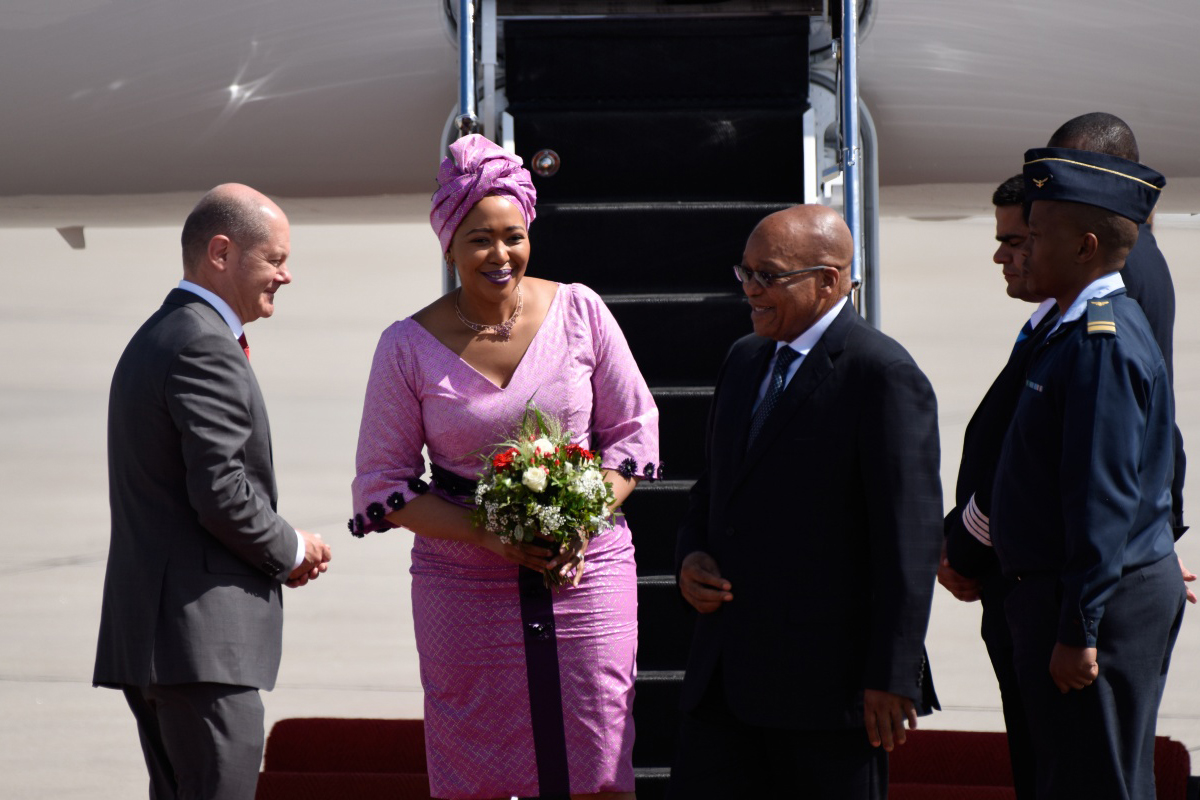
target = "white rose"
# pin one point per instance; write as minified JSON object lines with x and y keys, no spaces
{"x":545,"y":445}
{"x":534,"y":478}
{"x":591,"y":475}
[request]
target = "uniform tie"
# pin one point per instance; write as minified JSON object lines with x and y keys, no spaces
{"x":783,"y":359}
{"x":245,"y":345}
{"x":1026,"y":332}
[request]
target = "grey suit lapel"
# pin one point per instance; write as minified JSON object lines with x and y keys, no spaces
{"x":258,"y":408}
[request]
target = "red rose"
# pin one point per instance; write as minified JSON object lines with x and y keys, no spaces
{"x":504,"y":460}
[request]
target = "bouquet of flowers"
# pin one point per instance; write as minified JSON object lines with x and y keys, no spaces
{"x":540,"y":483}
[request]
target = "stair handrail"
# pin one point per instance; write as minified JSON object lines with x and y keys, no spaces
{"x":851,"y":187}
{"x":467,"y":121}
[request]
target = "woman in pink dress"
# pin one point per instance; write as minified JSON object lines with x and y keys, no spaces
{"x":528,"y":690}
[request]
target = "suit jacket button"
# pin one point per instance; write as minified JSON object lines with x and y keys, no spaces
{"x":730,"y":531}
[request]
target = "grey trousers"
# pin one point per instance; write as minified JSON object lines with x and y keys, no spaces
{"x":201,"y":741}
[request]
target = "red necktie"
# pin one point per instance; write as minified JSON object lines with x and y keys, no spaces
{"x":245,"y":345}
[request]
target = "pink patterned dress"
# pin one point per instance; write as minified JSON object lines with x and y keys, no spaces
{"x":527,"y":691}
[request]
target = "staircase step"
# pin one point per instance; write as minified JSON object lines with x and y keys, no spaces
{"x":681,"y":340}
{"x":656,"y":716}
{"x":656,"y":62}
{"x":507,"y":9}
{"x":665,"y":625}
{"x":650,"y":783}
{"x":711,"y":153}
{"x":654,"y":512}
{"x":689,"y":247}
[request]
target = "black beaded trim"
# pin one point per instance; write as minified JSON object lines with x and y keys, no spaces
{"x":628,"y":469}
{"x":376,"y":519}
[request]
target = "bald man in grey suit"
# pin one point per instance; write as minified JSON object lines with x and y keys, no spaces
{"x":192,"y":617}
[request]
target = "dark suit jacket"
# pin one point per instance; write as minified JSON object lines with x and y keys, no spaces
{"x":197,"y":552}
{"x":981,"y":452}
{"x":1148,"y":280}
{"x":828,"y":528}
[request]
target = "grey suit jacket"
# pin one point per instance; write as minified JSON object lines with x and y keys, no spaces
{"x":197,"y":553}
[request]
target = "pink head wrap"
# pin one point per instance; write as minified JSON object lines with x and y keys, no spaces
{"x":476,"y":168}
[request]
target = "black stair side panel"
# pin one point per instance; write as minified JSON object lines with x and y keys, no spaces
{"x":657,"y":707}
{"x":681,"y":437}
{"x":662,"y":248}
{"x":654,"y":511}
{"x":665,"y":625}
{"x":656,"y":63}
{"x":681,"y":343}
{"x":709,"y":154}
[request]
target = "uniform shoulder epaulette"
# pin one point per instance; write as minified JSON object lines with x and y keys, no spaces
{"x":1100,"y":318}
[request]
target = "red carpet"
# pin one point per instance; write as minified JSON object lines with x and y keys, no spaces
{"x":384,"y":759}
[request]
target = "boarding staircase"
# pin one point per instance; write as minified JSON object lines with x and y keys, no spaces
{"x":656,"y":145}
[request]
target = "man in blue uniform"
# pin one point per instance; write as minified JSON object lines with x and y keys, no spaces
{"x":1081,"y":506}
{"x":1145,"y":274}
{"x":969,"y":568}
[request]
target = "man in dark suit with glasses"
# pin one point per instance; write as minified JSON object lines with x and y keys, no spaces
{"x":812,"y":538}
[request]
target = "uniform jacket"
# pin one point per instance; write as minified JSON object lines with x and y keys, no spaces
{"x":1082,"y":490}
{"x":197,"y":552}
{"x":828,"y":527}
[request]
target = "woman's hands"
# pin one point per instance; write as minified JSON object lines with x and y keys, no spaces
{"x":537,"y":556}
{"x":570,"y":560}
{"x":430,"y":515}
{"x":526,"y":554}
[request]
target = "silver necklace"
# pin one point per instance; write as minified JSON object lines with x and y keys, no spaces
{"x":503,"y":331}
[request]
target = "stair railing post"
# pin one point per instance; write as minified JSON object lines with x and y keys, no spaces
{"x":487,"y":67}
{"x":869,"y":304}
{"x":851,"y":188}
{"x":467,"y":120}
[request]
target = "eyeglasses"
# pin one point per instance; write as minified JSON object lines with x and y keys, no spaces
{"x":766,"y":279}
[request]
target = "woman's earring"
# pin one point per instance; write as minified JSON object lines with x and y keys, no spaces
{"x":449,"y":264}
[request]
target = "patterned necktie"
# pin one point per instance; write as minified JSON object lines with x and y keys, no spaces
{"x":783,"y":360}
{"x":245,"y":345}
